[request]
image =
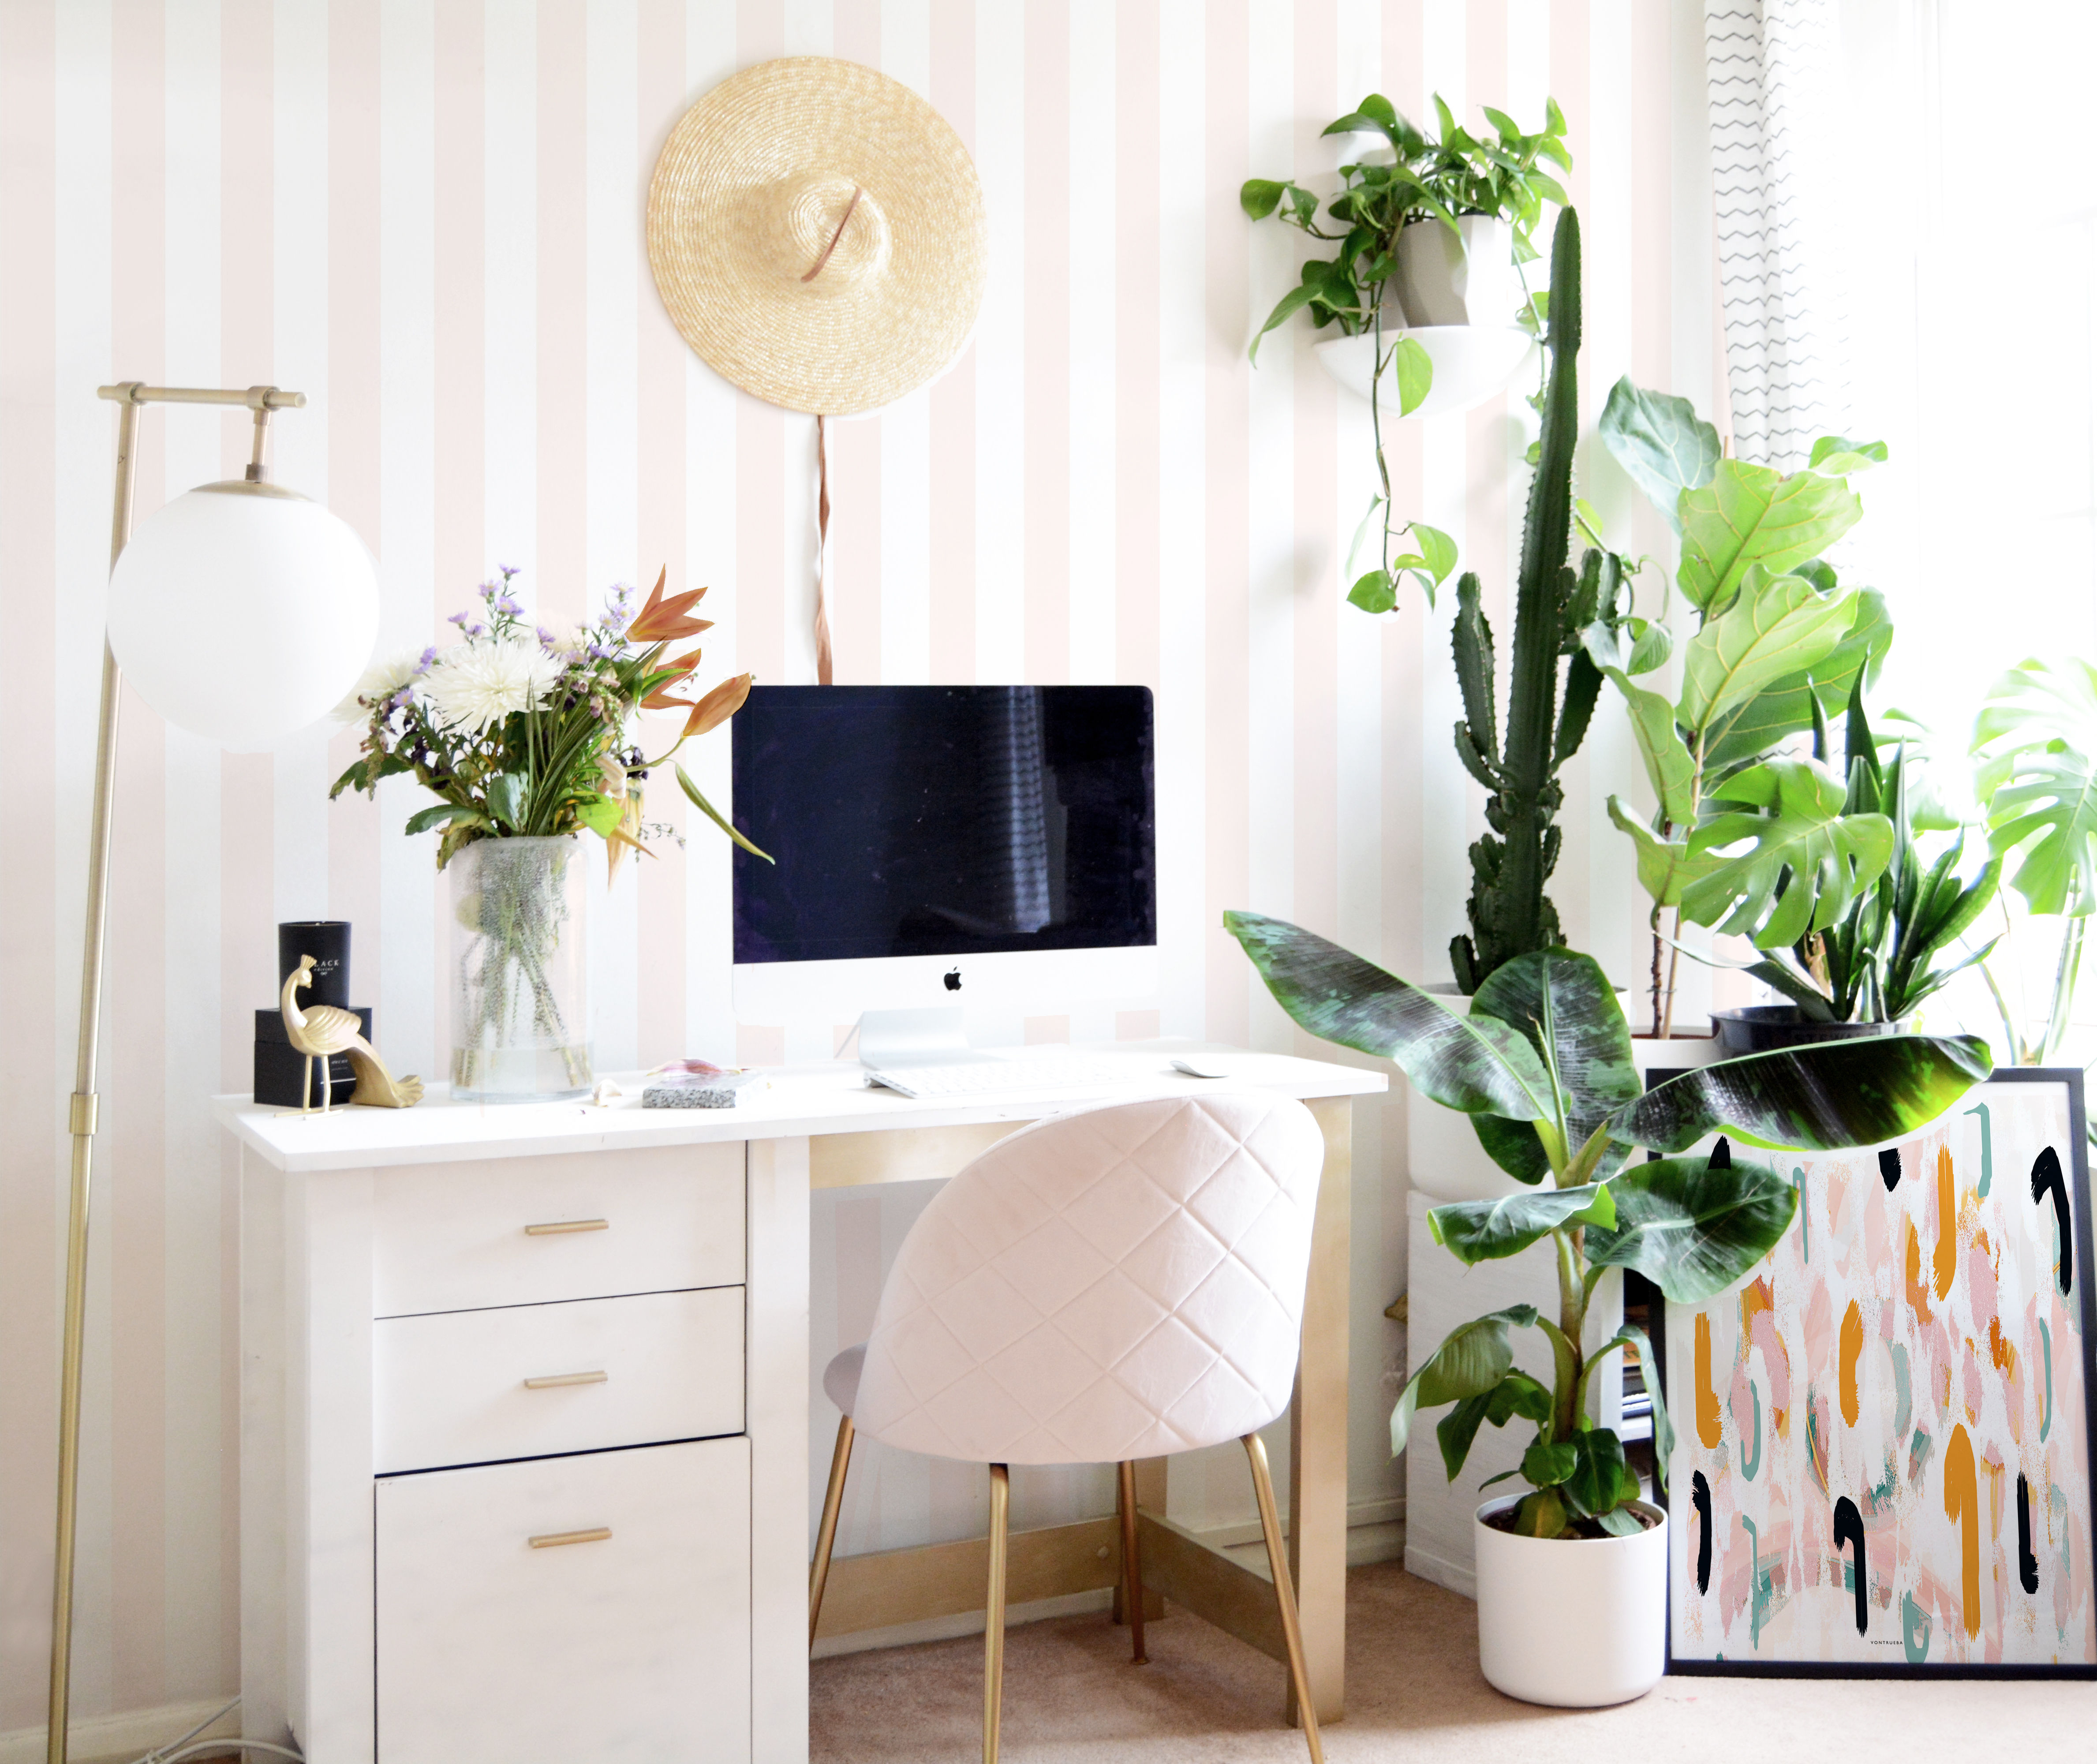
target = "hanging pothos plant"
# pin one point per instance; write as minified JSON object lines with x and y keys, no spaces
{"x":1441,"y":180}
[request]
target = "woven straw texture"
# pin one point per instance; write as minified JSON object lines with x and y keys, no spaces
{"x":751,"y":189}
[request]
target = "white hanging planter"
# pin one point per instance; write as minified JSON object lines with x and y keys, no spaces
{"x":1572,"y":1623}
{"x":1464,"y":278}
{"x":1471,"y":363}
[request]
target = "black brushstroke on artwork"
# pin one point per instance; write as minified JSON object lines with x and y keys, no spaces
{"x":1700,"y":1497}
{"x":2027,"y":1563}
{"x":2046,"y":1174}
{"x":1722,"y":1155}
{"x":1890,"y":1170}
{"x":1849,"y":1524}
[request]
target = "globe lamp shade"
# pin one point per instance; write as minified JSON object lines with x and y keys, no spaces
{"x":243,"y":612}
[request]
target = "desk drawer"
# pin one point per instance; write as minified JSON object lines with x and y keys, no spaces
{"x":451,"y":1387}
{"x":458,"y":1236}
{"x":629,"y":1648}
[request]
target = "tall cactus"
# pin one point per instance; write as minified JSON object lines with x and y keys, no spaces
{"x":1510,"y":914}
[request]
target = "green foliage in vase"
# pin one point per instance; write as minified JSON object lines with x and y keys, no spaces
{"x":1441,"y":180}
{"x":1780,"y":646}
{"x":1543,"y":1064}
{"x":528,"y":732}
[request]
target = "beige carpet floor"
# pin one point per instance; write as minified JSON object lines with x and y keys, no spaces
{"x":1414,"y":1694}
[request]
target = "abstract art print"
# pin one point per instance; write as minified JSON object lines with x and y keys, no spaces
{"x":1884,"y":1439}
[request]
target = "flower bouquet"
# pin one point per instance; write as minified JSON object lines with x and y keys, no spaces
{"x":528,"y":734}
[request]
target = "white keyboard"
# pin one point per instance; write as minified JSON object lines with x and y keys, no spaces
{"x":976,"y":1078}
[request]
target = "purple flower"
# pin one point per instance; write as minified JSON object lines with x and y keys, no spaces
{"x":457,"y":619}
{"x":429,"y":656}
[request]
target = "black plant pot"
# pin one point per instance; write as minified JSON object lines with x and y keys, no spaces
{"x":1771,"y":1028}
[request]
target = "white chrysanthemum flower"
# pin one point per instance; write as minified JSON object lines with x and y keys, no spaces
{"x":475,"y":685}
{"x":381,"y":680}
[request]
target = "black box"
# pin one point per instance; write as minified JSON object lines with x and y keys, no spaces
{"x":280,"y":1068}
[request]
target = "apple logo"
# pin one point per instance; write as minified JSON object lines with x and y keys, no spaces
{"x":952,"y":977}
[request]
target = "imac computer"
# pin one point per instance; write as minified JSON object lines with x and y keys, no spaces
{"x":990,"y":847}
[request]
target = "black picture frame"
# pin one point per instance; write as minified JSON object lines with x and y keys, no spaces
{"x":2071,"y":1077}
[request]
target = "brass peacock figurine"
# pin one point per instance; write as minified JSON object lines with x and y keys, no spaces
{"x":326,"y":1031}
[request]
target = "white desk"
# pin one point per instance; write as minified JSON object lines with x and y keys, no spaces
{"x":390,"y":1295}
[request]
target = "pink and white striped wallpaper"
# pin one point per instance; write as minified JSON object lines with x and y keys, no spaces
{"x":426,"y":215}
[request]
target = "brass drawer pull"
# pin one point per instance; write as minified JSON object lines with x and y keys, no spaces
{"x":561,"y":1378}
{"x":551,"y":1540}
{"x":560,"y":1227}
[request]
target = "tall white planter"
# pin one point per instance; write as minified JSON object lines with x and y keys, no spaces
{"x":1574,"y":1624}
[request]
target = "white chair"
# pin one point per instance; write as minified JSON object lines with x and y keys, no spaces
{"x":1115,"y":1284}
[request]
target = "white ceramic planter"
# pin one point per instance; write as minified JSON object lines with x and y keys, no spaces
{"x":1572,"y":1624}
{"x":1471,"y":363}
{"x":1464,"y":277}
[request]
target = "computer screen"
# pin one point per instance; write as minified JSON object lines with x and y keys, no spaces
{"x":944,"y":821}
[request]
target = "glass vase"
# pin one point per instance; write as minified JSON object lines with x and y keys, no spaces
{"x":520,"y":972}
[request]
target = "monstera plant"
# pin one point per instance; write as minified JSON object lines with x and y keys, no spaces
{"x":1542,"y":1065}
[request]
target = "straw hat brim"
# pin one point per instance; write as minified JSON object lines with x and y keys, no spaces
{"x":754,"y":172}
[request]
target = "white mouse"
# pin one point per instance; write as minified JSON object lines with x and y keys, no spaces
{"x":1202,"y":1064}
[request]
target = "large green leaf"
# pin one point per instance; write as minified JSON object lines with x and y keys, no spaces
{"x":1669,"y":767}
{"x":1599,"y":1480}
{"x":1517,"y":1396}
{"x":1807,"y":864}
{"x":1822,"y":1098}
{"x":1748,"y":514}
{"x":1475,"y":1064}
{"x":1661,"y":442}
{"x":1664,"y":869}
{"x":2037,"y":737}
{"x":1469,"y":1362}
{"x":1486,"y":1231}
{"x":1692,"y":1230}
{"x":1565,"y":1005}
{"x":1514,"y":1146}
{"x":1780,"y":626}
{"x":1663,"y":1429}
{"x":1755,"y":725}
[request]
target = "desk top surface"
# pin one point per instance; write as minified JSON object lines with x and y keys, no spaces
{"x":833,"y":1097}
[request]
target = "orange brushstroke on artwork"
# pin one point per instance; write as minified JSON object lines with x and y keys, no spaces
{"x":1758,"y":1300}
{"x":1945,"y":1262}
{"x":1962,"y":1507}
{"x":1853,"y":1348}
{"x":1707,"y":1398}
{"x":1918,"y":1288}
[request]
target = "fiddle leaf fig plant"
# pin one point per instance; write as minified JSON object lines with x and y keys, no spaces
{"x":1501,"y":174}
{"x":1542,"y":1065}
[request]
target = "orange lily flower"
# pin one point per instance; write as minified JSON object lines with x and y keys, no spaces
{"x":718,"y":706}
{"x":662,"y":699}
{"x":663,"y":621}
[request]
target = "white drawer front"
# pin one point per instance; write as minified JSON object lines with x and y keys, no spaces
{"x":451,"y":1387}
{"x":458,"y":1236}
{"x":629,"y":1649}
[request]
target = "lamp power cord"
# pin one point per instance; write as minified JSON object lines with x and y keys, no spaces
{"x":189,"y":1746}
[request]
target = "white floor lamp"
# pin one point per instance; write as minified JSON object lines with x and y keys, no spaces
{"x":241,"y":611}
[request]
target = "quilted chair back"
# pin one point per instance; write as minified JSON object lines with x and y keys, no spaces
{"x":1118,"y":1283}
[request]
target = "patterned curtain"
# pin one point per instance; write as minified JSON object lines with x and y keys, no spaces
{"x":1770,"y":66}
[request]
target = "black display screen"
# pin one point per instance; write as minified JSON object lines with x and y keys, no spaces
{"x":944,"y":821}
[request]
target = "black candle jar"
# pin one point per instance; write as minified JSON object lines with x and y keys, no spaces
{"x":327,"y":942}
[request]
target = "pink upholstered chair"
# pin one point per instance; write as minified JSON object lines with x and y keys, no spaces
{"x":1115,"y":1284}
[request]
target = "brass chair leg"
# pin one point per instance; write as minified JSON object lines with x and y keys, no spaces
{"x":1284,"y":1595}
{"x":833,"y":1499}
{"x":1132,"y":1561}
{"x":1000,"y":1507}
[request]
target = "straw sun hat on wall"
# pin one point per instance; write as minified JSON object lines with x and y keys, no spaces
{"x":817,"y":232}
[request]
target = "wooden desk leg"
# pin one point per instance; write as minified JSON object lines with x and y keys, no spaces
{"x":1318,"y":1427}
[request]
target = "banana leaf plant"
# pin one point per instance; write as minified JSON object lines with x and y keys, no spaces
{"x":1778,"y":645}
{"x":1542,"y":1065}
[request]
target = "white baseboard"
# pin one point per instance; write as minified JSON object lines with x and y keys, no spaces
{"x":1457,"y":1576}
{"x":107,"y":1739}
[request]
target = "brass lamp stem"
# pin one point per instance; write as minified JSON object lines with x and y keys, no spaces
{"x":84,"y":1108}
